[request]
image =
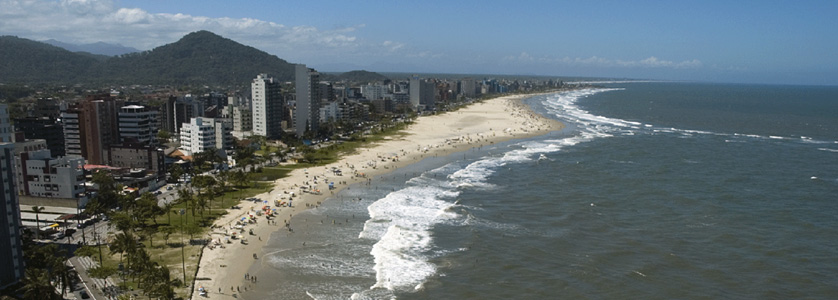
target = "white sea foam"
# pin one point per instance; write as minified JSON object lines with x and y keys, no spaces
{"x":564,"y":105}
{"x":828,"y":149}
{"x":402,"y":222}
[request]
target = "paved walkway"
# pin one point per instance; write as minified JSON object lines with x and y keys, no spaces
{"x":94,"y":286}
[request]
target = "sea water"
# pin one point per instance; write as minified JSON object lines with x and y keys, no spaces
{"x":653,"y":191}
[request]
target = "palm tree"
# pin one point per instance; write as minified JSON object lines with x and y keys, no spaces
{"x":210,"y":185}
{"x":223,"y":177}
{"x":37,"y":285}
{"x":168,"y":210}
{"x":123,"y":243}
{"x":185,"y":196}
{"x":37,"y":210}
{"x":63,"y":274}
{"x":176,"y":172}
{"x":167,"y":231}
{"x":202,"y":203}
{"x":95,"y":208}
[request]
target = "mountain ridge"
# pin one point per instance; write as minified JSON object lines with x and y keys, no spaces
{"x":97,"y":48}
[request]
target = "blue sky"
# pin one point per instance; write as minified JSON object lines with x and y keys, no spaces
{"x":720,"y":41}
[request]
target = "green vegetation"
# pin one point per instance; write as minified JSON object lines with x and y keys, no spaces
{"x":199,"y":58}
{"x":27,"y":61}
{"x":359,"y":76}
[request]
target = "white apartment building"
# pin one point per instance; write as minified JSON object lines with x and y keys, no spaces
{"x":202,"y":134}
{"x":44,"y":176}
{"x":329,"y":112}
{"x":267,"y":106}
{"x":375,"y":92}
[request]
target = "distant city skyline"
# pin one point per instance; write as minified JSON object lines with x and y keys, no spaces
{"x":715,"y":41}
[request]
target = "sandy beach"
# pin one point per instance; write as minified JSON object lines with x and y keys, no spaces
{"x":490,"y":121}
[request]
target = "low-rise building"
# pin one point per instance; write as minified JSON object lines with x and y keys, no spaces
{"x":45,"y":176}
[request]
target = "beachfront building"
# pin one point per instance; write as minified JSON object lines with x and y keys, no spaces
{"x":468,"y":88}
{"x":267,"y":106}
{"x":138,"y":124}
{"x":11,"y":246}
{"x":307,"y":114}
{"x":422,"y":93}
{"x":202,"y":134}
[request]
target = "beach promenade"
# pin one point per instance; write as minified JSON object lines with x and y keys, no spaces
{"x":223,"y":272}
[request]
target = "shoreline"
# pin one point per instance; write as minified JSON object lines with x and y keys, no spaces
{"x":490,"y":121}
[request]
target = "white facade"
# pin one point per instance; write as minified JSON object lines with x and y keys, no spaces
{"x":137,"y":122}
{"x":329,"y":112}
{"x":267,"y":106}
{"x":375,"y":92}
{"x":72,"y":134}
{"x":45,"y":176}
{"x":202,"y":134}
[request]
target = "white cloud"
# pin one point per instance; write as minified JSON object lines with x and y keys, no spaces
{"x":88,"y":21}
{"x":654,"y":62}
{"x":595,"y":61}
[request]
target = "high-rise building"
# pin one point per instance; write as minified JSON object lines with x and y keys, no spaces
{"x":468,"y":88}
{"x":166,"y":117}
{"x":422,"y":93}
{"x":375,"y":92}
{"x":72,"y":132}
{"x":6,"y":132}
{"x":45,"y":128}
{"x":267,"y":106}
{"x":11,"y":252}
{"x":238,"y":109}
{"x":307,"y":114}
{"x":91,"y":126}
{"x":185,"y":109}
{"x":138,"y":124}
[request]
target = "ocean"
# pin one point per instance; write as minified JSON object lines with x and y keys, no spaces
{"x":654,"y":190}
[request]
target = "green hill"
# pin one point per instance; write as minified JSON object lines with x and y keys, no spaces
{"x":200,"y":58}
{"x":27,"y":61}
{"x":356,"y":76}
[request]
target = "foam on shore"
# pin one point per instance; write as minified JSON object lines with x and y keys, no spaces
{"x":490,"y":121}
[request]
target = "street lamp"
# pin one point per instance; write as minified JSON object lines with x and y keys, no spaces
{"x":182,"y":245}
